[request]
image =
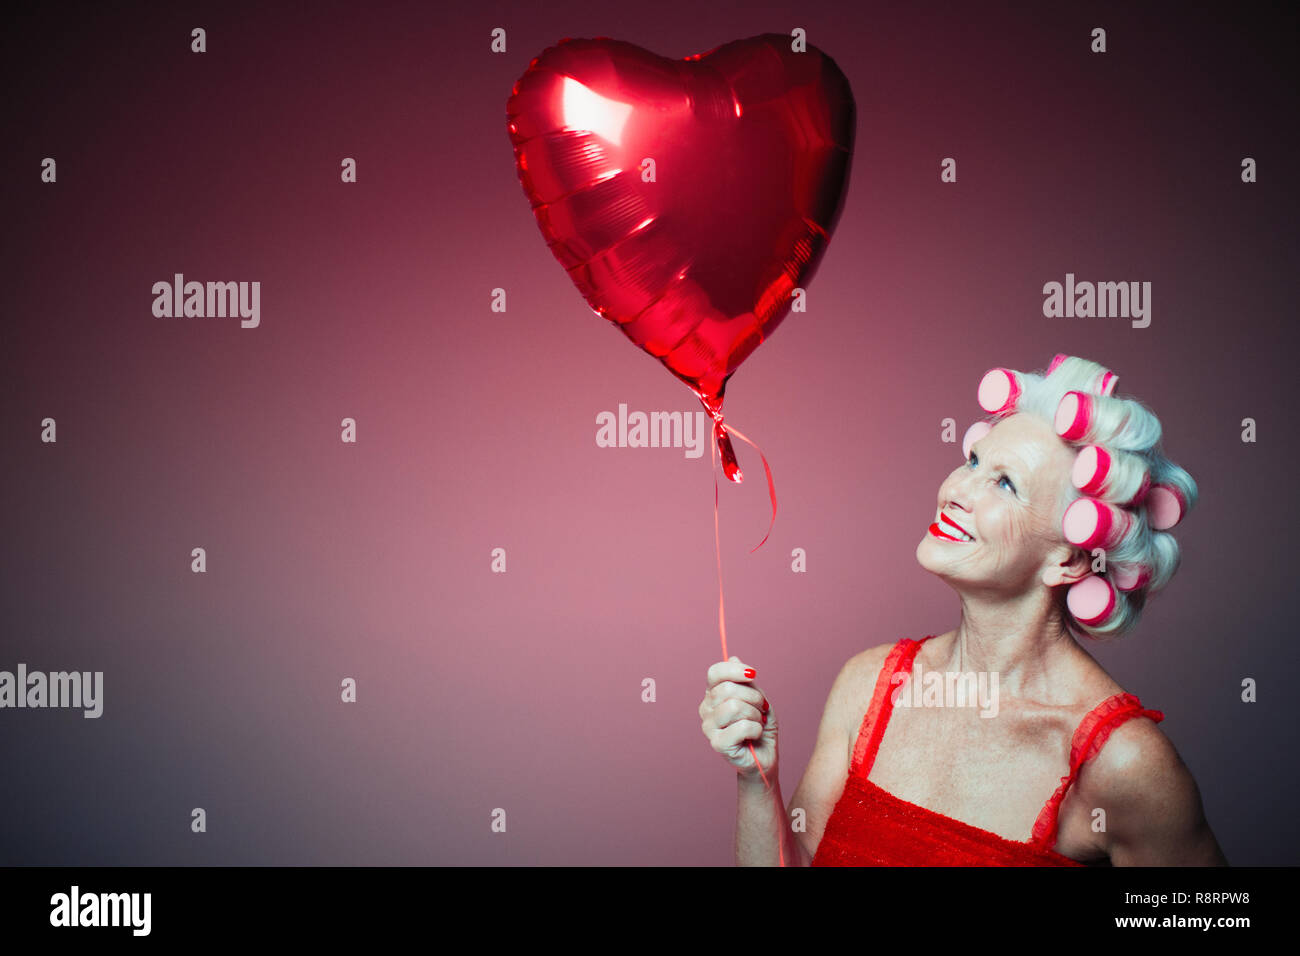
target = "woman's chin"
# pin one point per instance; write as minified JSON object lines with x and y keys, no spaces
{"x":925,"y":555}
{"x":929,"y":557}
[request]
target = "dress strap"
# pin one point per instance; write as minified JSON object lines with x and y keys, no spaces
{"x":1087,"y":742}
{"x":882,"y":705}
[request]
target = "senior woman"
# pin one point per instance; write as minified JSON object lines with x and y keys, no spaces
{"x":1054,"y":530}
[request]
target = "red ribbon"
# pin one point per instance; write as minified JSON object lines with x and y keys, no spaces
{"x":722,"y":619}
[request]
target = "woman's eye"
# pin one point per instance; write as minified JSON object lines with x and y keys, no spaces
{"x":973,"y":460}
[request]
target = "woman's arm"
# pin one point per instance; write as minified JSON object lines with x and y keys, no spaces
{"x":759,"y":823}
{"x":1154,"y":815}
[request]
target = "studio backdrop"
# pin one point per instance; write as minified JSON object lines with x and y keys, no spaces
{"x":361,"y":549}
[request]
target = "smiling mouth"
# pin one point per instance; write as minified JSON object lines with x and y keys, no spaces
{"x":949,"y":531}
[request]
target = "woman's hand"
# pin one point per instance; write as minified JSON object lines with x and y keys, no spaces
{"x":734,"y":713}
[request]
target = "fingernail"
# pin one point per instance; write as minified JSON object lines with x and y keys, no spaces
{"x":765,"y":708}
{"x":750,"y":672}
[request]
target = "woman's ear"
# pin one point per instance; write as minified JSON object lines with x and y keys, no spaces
{"x":1069,"y":565}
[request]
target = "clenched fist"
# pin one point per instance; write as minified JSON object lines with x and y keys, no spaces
{"x":734,"y":713}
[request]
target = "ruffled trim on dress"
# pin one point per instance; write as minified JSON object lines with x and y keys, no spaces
{"x":1088,"y":740}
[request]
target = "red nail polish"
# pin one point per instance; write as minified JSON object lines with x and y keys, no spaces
{"x":750,"y":672}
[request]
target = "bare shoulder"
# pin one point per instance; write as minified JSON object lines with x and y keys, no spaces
{"x":853,"y":686}
{"x":864,"y":666}
{"x":1154,"y":814}
{"x":1136,"y":755}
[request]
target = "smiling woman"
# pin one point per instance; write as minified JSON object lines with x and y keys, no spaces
{"x":1053,"y":531}
{"x":1122,"y":497}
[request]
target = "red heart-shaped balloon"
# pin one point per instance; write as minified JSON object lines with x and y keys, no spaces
{"x":687,"y":199}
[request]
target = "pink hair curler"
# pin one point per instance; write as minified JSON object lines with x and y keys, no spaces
{"x":1091,"y":600}
{"x":1091,"y":468}
{"x":974,"y":434}
{"x":1104,"y":384}
{"x":1074,"y":415}
{"x":1130,"y":577}
{"x":999,"y":390}
{"x":1165,"y":507}
{"x":1089,"y":523}
{"x":1094,"y":473}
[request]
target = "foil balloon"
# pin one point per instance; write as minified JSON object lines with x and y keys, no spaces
{"x":687,"y":199}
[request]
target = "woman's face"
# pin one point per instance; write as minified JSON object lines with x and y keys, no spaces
{"x":1010,"y":496}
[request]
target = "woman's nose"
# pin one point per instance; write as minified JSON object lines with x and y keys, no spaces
{"x":958,"y":481}
{"x":958,"y":487}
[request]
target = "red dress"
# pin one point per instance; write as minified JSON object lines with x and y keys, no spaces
{"x":872,"y":827}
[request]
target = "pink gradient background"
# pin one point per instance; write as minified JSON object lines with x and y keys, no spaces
{"x":477,"y":430}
